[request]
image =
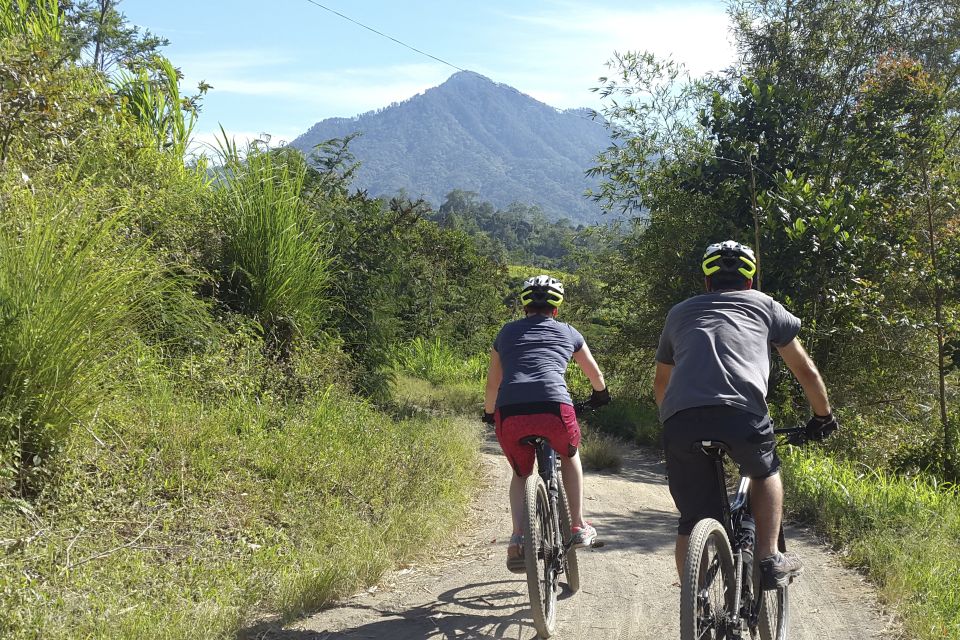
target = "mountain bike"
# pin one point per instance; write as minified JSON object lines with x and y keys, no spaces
{"x":720,"y":593}
{"x":547,"y":549}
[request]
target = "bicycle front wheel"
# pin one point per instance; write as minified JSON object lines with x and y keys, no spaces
{"x":707,"y":589}
{"x":572,"y":565}
{"x":539,"y":551}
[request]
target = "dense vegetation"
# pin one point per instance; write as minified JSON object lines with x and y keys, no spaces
{"x":520,"y":234}
{"x":831,"y":147}
{"x":199,"y":395}
{"x":474,"y":134}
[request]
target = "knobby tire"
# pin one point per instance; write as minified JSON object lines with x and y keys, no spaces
{"x":537,"y":544}
{"x":774,"y":614}
{"x":572,"y":566}
{"x":717,"y":570}
{"x":765,"y":603}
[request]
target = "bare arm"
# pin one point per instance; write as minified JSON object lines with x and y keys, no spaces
{"x":660,"y":381}
{"x":802,"y":366}
{"x":494,"y":376}
{"x":585,"y":361}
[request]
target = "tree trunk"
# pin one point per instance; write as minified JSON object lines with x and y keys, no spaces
{"x":948,"y":441}
{"x":98,"y":48}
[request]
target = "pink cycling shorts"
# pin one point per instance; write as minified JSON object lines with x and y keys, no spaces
{"x":562,"y":432}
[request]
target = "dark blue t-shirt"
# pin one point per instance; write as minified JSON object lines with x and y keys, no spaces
{"x":534,"y":353}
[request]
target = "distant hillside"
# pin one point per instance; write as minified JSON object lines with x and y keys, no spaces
{"x":477,"y":135}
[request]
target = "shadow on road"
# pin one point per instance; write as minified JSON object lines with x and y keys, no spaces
{"x":644,"y":530}
{"x":480,"y":611}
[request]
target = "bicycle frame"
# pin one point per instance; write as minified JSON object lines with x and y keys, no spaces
{"x":547,"y":468}
{"x":742,"y":540}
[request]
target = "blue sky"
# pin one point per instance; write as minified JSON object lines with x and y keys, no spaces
{"x":278,"y":66}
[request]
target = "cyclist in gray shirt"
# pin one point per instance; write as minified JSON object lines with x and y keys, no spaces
{"x":713,"y":361}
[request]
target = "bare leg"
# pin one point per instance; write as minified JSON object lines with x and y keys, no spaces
{"x":517,"y":487}
{"x":766,"y":496}
{"x":572,"y":472}
{"x":680,"y":553}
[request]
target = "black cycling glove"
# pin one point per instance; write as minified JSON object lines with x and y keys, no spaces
{"x":488,"y":418}
{"x":599,"y":398}
{"x":820,"y":427}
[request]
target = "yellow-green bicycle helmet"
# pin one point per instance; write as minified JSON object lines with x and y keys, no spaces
{"x":540,"y":291}
{"x":729,"y":256}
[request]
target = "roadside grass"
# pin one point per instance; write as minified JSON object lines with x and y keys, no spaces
{"x":190,"y":517}
{"x":435,"y":362}
{"x":600,"y":451}
{"x":628,"y":420}
{"x":902,"y":531}
{"x":413,"y":395}
{"x":430,"y":378}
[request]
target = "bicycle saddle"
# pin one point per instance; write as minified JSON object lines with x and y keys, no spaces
{"x":711,"y":446}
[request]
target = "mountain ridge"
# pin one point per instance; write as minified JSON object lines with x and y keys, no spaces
{"x":477,"y":135}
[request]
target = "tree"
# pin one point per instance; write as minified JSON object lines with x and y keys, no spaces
{"x":100,"y":35}
{"x":829,"y":147}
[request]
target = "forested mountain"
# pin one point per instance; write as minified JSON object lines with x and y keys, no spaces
{"x":477,"y":135}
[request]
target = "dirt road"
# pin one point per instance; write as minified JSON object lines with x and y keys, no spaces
{"x":629,"y":588}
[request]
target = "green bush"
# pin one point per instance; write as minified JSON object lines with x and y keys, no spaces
{"x":275,"y":263}
{"x":629,"y":420}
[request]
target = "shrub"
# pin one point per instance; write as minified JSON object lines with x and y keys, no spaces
{"x":275,"y":264}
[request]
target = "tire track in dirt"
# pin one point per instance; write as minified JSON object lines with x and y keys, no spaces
{"x":629,"y":588}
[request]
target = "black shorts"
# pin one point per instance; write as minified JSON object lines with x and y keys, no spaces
{"x":692,"y":475}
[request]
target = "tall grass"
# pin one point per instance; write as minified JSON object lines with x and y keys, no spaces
{"x":435,"y":362}
{"x":903,"y":531}
{"x":71,"y":299}
{"x":277,"y":267}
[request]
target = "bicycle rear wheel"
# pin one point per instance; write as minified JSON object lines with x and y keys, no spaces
{"x":572,"y":568}
{"x":539,"y":550}
{"x":774,"y":614}
{"x":764,"y":604}
{"x":708,"y":584}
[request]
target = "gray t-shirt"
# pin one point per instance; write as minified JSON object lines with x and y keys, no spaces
{"x":719,"y":344}
{"x":534,"y":353}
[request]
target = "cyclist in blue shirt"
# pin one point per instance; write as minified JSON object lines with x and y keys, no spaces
{"x":526,"y":394}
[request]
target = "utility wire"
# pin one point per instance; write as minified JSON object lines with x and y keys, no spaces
{"x":404,"y":44}
{"x":379,"y":33}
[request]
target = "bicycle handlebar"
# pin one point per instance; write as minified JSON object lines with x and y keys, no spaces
{"x":794,"y":435}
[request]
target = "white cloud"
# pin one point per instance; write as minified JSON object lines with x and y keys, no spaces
{"x":565,"y":48}
{"x":344,"y":92}
{"x":555,"y":54}
{"x":212,"y":64}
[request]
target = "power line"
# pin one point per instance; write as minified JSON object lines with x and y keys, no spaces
{"x":379,"y":33}
{"x":403,"y":44}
